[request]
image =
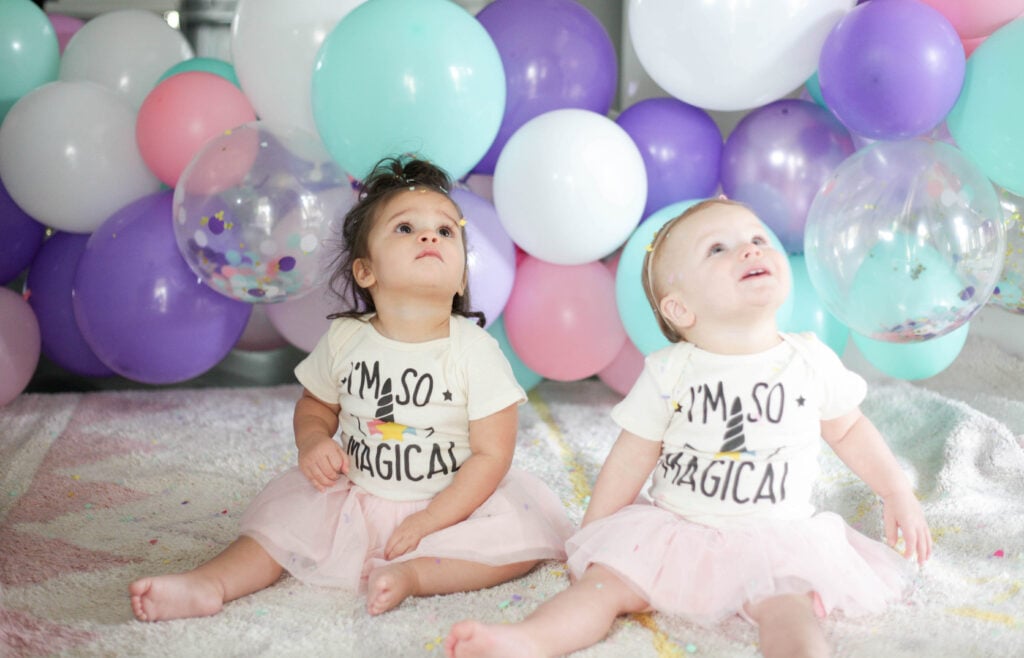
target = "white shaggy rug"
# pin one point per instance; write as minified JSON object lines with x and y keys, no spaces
{"x":98,"y":489}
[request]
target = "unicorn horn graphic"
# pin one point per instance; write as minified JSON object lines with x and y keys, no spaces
{"x":384,"y":422}
{"x":734,"y":441}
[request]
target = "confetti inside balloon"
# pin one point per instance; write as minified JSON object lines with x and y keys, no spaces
{"x":1009,"y":292}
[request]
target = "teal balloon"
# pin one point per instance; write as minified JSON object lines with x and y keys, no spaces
{"x":808,"y":312}
{"x":206,"y":65}
{"x":29,"y":52}
{"x":408,"y":76}
{"x":912,"y":361}
{"x":986,"y":119}
{"x":813,"y":88}
{"x":634,"y":309}
{"x":526,"y":377}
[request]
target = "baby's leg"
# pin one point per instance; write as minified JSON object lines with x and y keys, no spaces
{"x":573,"y":619}
{"x":241,"y":568}
{"x":391,"y":584}
{"x":788,"y":627}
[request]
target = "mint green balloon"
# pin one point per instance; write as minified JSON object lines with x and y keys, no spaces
{"x":29,"y":52}
{"x":206,"y":65}
{"x":809,"y":314}
{"x":913,"y":361}
{"x":527,"y":378}
{"x":408,"y":76}
{"x":813,"y":88}
{"x":986,"y":119}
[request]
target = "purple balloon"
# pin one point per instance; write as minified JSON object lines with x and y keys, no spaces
{"x":140,"y":307}
{"x":891,"y":70}
{"x":776,"y":159}
{"x":681,"y":147}
{"x":50,"y":279}
{"x":556,"y":55}
{"x":20,"y":237}
{"x":491,"y":255}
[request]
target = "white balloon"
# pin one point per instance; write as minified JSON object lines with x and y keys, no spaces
{"x":68,"y":155}
{"x":126,"y":51}
{"x":570,"y":186}
{"x":274,"y":46}
{"x":731,"y":54}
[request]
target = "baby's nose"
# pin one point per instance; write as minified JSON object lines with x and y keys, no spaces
{"x":428,"y":236}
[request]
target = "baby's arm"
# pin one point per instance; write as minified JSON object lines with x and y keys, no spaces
{"x":492,"y":441}
{"x":860,"y":445}
{"x":624,"y":473}
{"x":320,"y":456}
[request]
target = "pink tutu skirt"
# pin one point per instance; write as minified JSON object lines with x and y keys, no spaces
{"x":707,"y":574}
{"x":335,"y":538}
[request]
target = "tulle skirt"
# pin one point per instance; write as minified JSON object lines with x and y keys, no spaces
{"x":335,"y":538}
{"x":707,"y":574}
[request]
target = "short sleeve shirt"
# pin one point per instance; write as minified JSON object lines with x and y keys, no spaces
{"x":740,"y":434}
{"x":406,"y":407}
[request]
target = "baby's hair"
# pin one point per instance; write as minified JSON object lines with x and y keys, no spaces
{"x":647,"y":275}
{"x":388,"y":178}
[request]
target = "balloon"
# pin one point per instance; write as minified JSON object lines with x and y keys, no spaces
{"x":905,"y":241}
{"x":913,"y":361}
{"x":304,"y":320}
{"x":49,"y":285}
{"x":561,"y":319}
{"x":1009,"y":292}
{"x":986,"y":119}
{"x":623,"y":371}
{"x":813,"y":88}
{"x":65,"y":28}
{"x":183,"y":113}
{"x":891,"y":70}
{"x":729,"y":55}
{"x":69,"y":157}
{"x":19,"y":344}
{"x":401,"y":76}
{"x":527,"y":378}
{"x":259,"y":334}
{"x":258,"y":234}
{"x":126,"y":51}
{"x":681,"y":148}
{"x":570,"y":186}
{"x":978,"y":18}
{"x":206,"y":65}
{"x":777,"y":157}
{"x":555,"y":54}
{"x":490,"y":254}
{"x":142,"y":310}
{"x":274,"y":46}
{"x":808,"y":312}
{"x":21,"y":235}
{"x":29,"y":54}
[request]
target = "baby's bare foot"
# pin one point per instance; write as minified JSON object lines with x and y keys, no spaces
{"x":471,"y":639}
{"x":388,"y":586}
{"x":174,"y":596}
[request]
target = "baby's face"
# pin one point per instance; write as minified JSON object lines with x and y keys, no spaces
{"x":720,"y":265}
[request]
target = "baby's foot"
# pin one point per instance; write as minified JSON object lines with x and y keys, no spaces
{"x":388,"y":586}
{"x":174,"y":596}
{"x":471,"y":639}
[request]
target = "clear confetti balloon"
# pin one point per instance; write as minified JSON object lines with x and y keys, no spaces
{"x":905,"y":241}
{"x":1009,"y":292}
{"x":257,"y":211}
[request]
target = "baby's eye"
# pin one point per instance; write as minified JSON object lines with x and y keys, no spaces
{"x":759,"y":241}
{"x":445,"y":232}
{"x":716,"y":248}
{"x":404,"y":228}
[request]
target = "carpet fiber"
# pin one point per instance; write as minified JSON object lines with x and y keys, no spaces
{"x":98,"y":489}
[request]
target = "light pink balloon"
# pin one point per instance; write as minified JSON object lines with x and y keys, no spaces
{"x":181,"y":114}
{"x":20,"y":344}
{"x":304,"y":320}
{"x":562,"y":320}
{"x":621,"y":374}
{"x":978,"y":18}
{"x":259,"y":334}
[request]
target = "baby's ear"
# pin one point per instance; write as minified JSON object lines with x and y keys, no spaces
{"x":362,"y":273}
{"x":676,"y":312}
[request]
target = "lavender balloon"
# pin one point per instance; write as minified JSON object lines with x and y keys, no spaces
{"x":49,"y":283}
{"x":491,"y":255}
{"x":556,"y":54}
{"x":776,"y":159}
{"x":21,"y":237}
{"x":891,"y":70}
{"x":681,"y":147}
{"x":140,"y":307}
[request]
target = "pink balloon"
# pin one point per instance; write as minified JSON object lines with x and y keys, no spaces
{"x":20,"y":344}
{"x":970,"y":45}
{"x":978,"y":18}
{"x":259,"y":334}
{"x":562,"y":320}
{"x":65,"y":28}
{"x":181,"y":114}
{"x":304,"y":320}
{"x":621,"y":373}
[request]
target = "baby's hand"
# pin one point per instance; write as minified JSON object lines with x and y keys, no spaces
{"x":408,"y":534}
{"x":322,"y":461}
{"x":902,"y":512}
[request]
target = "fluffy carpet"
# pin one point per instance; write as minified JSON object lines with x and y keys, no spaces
{"x":97,"y":489}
